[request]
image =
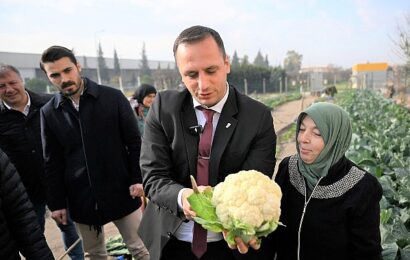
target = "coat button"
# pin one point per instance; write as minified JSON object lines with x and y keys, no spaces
{"x":169,"y":234}
{"x":33,"y":151}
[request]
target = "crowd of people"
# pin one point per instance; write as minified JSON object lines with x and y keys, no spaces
{"x":92,"y":156}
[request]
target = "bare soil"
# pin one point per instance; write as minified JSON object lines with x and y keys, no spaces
{"x":55,"y":242}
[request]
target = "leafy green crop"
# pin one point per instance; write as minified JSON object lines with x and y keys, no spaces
{"x":273,"y":101}
{"x":381,"y":145}
{"x":116,"y":247}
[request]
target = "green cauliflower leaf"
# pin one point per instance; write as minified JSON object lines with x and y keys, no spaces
{"x":202,"y":205}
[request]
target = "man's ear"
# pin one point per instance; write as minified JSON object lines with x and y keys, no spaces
{"x":79,"y":67}
{"x":227,"y":64}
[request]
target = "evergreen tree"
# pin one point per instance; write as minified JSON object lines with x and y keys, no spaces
{"x":145,"y":70}
{"x":133,"y":79}
{"x":259,"y":60}
{"x":245,"y":61}
{"x":102,"y":66}
{"x":85,"y":63}
{"x":266,"y":61}
{"x":86,"y":70}
{"x":37,"y":85}
{"x":117,"y":68}
{"x":235,"y":60}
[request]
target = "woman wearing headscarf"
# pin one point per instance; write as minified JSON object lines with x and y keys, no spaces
{"x":330,"y":206}
{"x":141,"y":101}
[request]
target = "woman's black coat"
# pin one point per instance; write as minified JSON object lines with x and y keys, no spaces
{"x":341,"y":220}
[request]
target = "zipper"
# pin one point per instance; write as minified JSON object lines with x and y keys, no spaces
{"x":307,"y":200}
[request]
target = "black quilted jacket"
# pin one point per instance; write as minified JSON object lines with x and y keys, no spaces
{"x":19,"y":228}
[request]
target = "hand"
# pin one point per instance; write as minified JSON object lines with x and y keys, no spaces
{"x":186,"y":207}
{"x":242,"y":246}
{"x":140,"y":111}
{"x":138,"y":108}
{"x":136,"y":190}
{"x":60,"y":216}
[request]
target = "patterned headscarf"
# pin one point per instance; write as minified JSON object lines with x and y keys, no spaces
{"x":335,"y":128}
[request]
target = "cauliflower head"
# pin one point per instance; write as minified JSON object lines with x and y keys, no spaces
{"x":247,"y":197}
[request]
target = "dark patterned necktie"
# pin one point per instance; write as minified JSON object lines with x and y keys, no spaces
{"x":202,"y":175}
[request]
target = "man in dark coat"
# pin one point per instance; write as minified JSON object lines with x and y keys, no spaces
{"x":243,"y":138}
{"x":91,"y":148}
{"x":19,"y":228}
{"x":20,"y":139}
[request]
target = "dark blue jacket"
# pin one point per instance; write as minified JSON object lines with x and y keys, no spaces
{"x":91,"y":156}
{"x":20,"y":139}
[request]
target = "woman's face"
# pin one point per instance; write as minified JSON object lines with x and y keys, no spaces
{"x":310,"y":140}
{"x":148,"y":99}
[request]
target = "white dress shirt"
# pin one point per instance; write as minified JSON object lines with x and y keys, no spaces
{"x":185,"y":231}
{"x":26,"y":107}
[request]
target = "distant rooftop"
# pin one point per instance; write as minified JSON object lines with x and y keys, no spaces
{"x":382,"y":66}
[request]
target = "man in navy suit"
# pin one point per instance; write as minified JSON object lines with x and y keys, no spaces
{"x":243,"y":138}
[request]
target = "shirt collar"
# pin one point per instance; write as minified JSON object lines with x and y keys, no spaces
{"x":218,"y":106}
{"x":26,"y":107}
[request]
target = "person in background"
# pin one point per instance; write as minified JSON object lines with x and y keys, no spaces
{"x":331,"y":92}
{"x":20,"y":231}
{"x":20,"y":139}
{"x":390,"y":90}
{"x":91,"y":148}
{"x":330,"y":206}
{"x":207,"y":130}
{"x":141,"y":101}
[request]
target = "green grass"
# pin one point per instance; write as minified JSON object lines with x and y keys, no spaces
{"x":275,"y":100}
{"x":288,"y":136}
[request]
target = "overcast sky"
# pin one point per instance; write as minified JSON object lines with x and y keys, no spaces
{"x":342,"y":33}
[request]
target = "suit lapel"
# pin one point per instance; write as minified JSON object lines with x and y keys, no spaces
{"x":224,"y":130}
{"x":188,"y":119}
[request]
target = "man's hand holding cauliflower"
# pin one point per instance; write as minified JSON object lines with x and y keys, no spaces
{"x":245,"y":207}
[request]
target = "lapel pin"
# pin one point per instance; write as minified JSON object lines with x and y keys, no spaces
{"x":228,"y":125}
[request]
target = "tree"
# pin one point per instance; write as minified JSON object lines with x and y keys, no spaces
{"x":292,"y":63}
{"x":36,"y":85}
{"x":85,"y":65}
{"x":235,"y":60}
{"x":102,"y":66}
{"x":145,"y":70}
{"x":259,"y":61}
{"x":117,"y":68}
{"x":403,"y":73}
{"x":86,"y":70}
{"x":266,"y":61}
{"x":245,"y":61}
{"x":404,"y":40}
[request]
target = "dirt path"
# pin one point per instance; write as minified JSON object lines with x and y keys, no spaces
{"x":283,"y":116}
{"x":54,"y":241}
